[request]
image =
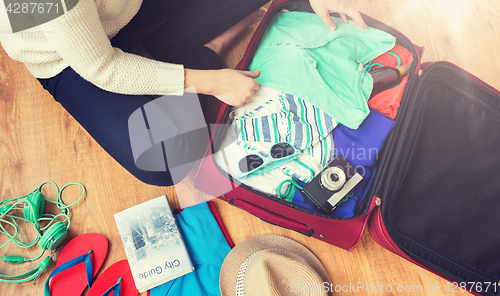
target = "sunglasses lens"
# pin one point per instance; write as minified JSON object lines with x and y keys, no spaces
{"x":281,"y":150}
{"x":250,"y":163}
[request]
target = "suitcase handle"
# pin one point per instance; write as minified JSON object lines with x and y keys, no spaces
{"x":271,"y":217}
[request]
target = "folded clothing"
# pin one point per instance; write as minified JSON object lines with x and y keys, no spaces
{"x":275,"y":117}
{"x":360,"y":147}
{"x":299,"y":55}
{"x":207,"y":248}
{"x":295,"y":121}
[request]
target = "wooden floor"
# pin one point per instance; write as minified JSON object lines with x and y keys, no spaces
{"x":40,"y":141}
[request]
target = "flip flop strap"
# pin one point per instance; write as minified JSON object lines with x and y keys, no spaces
{"x":88,"y":270}
{"x":116,"y":288}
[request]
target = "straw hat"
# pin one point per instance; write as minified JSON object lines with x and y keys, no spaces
{"x":272,"y":265}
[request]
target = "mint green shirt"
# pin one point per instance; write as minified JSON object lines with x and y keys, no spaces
{"x":301,"y":56}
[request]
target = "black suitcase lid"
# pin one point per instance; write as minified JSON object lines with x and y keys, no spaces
{"x":441,"y":183}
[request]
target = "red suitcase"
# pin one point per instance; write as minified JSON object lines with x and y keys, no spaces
{"x":435,"y":197}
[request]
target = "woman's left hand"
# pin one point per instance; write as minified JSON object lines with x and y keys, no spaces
{"x":323,"y":8}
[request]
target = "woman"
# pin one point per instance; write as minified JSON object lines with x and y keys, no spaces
{"x":83,"y":59}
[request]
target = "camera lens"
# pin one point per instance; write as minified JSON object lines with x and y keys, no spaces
{"x":333,"y":179}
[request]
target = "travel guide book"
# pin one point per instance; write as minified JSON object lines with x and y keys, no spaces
{"x":153,"y":244}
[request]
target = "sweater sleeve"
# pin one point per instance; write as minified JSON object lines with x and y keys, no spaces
{"x":79,"y":38}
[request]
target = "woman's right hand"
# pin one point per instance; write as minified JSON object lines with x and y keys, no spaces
{"x":232,"y":87}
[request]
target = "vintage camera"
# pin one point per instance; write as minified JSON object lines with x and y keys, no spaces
{"x":330,"y":186}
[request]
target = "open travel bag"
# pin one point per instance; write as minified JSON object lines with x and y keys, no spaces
{"x":434,"y":198}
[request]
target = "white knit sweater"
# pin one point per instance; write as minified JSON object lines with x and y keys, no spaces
{"x":80,"y":39}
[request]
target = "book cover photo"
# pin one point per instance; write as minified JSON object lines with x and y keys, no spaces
{"x":153,"y":244}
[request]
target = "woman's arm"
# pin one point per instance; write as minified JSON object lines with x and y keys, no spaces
{"x":230,"y":86}
{"x":79,"y":38}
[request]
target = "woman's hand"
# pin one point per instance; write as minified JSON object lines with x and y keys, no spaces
{"x":323,"y":8}
{"x":232,"y":87}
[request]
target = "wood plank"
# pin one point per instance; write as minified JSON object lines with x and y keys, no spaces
{"x":40,"y":141}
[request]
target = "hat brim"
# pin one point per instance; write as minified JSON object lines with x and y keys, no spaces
{"x":238,"y":255}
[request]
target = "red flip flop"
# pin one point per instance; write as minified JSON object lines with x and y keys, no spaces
{"x":117,"y":276}
{"x":87,"y":249}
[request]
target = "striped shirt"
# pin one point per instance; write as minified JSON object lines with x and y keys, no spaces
{"x":291,"y":120}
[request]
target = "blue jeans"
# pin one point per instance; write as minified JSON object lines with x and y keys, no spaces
{"x":187,"y":26}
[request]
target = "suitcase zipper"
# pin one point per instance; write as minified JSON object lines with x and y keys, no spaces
{"x":380,"y":236}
